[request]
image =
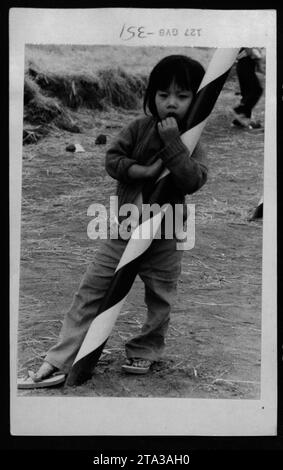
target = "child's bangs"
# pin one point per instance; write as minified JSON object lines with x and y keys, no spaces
{"x":180,"y":77}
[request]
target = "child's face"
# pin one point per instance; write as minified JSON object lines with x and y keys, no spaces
{"x":173,"y":102}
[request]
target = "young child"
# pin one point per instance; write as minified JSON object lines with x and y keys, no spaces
{"x":248,"y":64}
{"x":136,"y":158}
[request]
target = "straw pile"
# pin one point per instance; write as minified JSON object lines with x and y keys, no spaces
{"x":49,"y":97}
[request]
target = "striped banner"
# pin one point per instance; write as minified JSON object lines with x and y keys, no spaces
{"x":127,"y":269}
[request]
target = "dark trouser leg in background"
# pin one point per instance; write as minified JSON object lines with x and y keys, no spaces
{"x":251,"y":89}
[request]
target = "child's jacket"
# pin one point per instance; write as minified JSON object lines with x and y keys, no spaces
{"x":140,"y":143}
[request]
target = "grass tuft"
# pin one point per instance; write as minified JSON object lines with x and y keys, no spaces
{"x":47,"y":96}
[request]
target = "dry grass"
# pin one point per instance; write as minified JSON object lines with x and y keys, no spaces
{"x":60,"y":78}
{"x":72,"y":60}
{"x":213,"y":346}
{"x":47,"y":97}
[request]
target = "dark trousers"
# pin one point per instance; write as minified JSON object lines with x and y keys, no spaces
{"x":250,"y":87}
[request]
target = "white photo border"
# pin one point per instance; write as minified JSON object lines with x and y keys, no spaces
{"x":146,"y":416}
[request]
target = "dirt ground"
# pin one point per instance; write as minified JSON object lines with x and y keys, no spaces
{"x":214,"y":342}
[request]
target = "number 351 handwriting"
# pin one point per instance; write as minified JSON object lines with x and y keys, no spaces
{"x":130,"y":32}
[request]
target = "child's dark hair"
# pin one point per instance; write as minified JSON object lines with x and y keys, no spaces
{"x":186,"y":72}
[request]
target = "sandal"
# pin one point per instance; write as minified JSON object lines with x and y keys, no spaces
{"x":137,"y":366}
{"x":28,"y":382}
{"x":47,"y":376}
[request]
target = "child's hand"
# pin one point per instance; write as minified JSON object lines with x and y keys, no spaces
{"x":155,"y":169}
{"x":143,"y":171}
{"x":168,"y":129}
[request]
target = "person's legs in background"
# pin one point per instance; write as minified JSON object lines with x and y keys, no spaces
{"x":251,"y":91}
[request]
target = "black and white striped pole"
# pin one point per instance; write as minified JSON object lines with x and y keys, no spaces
{"x":127,"y":269}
